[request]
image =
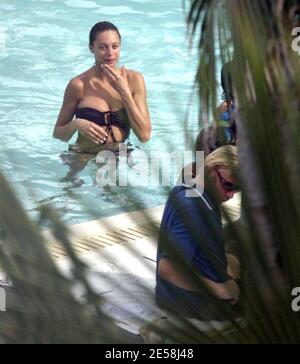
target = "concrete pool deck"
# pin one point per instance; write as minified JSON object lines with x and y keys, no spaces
{"x":120,"y":253}
{"x":110,"y":231}
{"x":120,"y":229}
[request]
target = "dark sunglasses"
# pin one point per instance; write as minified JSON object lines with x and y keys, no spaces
{"x":228,"y":186}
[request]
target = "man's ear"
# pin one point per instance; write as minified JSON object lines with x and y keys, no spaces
{"x":91,"y":48}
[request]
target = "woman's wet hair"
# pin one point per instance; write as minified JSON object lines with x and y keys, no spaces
{"x":100,"y":27}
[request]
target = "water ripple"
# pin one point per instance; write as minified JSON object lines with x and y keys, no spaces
{"x":116,"y":10}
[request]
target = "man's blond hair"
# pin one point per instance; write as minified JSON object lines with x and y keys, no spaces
{"x":225,"y":156}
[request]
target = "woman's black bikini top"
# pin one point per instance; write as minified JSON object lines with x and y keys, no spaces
{"x":117,"y":118}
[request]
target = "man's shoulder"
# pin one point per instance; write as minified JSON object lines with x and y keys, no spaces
{"x":188,"y":194}
{"x":180,"y":193}
{"x":186,"y":199}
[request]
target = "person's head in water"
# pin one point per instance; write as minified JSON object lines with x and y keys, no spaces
{"x":105,"y":42}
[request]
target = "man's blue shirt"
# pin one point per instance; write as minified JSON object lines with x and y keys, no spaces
{"x":189,"y":227}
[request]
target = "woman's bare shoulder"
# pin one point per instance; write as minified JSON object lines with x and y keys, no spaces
{"x":134,"y":75}
{"x":135,"y":80}
{"x":74,"y":89}
{"x":76,"y":84}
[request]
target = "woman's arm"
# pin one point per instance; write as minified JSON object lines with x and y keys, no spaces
{"x":134,"y":100}
{"x":65,"y":127}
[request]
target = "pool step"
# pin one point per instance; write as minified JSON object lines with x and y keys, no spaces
{"x":120,"y":229}
{"x":90,"y":236}
{"x":115,"y":237}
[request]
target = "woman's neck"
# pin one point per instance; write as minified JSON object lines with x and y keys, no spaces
{"x":98,"y":71}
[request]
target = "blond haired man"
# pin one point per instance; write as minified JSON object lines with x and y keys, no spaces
{"x":193,"y":271}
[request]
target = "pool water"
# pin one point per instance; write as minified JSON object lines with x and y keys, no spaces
{"x":43,"y":44}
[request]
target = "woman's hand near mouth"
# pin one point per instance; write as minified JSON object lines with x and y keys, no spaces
{"x":118,"y":80}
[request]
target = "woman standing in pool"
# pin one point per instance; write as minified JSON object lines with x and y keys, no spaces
{"x":106,"y":101}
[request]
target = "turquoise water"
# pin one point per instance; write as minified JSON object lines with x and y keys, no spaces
{"x":43,"y":44}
